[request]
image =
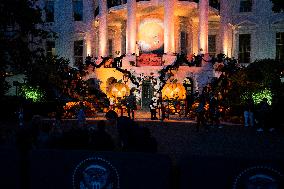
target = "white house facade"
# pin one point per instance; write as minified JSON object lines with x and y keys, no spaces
{"x":151,"y":34}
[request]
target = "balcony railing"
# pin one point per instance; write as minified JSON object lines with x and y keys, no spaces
{"x":196,"y":1}
{"x":149,"y":60}
{"x":112,"y":3}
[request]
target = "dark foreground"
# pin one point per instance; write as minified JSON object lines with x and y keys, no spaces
{"x":228,"y":157}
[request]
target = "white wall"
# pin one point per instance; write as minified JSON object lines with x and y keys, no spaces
{"x":258,"y":23}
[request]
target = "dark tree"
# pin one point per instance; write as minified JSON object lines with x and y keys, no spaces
{"x":49,"y":73}
{"x":21,"y":36}
{"x":278,"y":5}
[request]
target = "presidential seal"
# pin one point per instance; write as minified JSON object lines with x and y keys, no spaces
{"x":95,"y":173}
{"x":259,"y":177}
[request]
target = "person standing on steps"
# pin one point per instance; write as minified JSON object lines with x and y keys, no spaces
{"x":153,"y":106}
{"x":249,"y":113}
{"x":200,"y":112}
{"x":81,"y":116}
{"x":131,"y":105}
{"x":263,"y":116}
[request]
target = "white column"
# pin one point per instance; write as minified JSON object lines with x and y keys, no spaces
{"x":223,"y":29}
{"x":203,"y":25}
{"x":88,"y":7}
{"x":169,"y":30}
{"x":103,"y":33}
{"x":131,"y":27}
{"x":195,"y":37}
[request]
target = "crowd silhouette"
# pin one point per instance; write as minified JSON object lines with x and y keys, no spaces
{"x":43,"y":134}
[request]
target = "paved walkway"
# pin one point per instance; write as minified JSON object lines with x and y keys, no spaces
{"x":141,"y":115}
{"x":179,"y":138}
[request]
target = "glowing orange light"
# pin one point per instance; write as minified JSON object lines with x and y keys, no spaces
{"x":88,"y":44}
{"x":118,"y":90}
{"x":173,"y":90}
{"x":151,"y":35}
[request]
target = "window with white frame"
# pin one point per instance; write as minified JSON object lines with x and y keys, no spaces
{"x":78,"y":52}
{"x":49,"y":11}
{"x":78,"y":10}
{"x":183,"y":42}
{"x":245,"y":5}
{"x":212,"y":44}
{"x":123,"y":44}
{"x":280,"y":46}
{"x":244,"y":48}
{"x":110,"y":47}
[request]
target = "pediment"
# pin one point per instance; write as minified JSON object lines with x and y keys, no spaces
{"x":278,"y":22}
{"x":247,"y":23}
{"x":80,"y":32}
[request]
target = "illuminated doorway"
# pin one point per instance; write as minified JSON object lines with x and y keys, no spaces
{"x":147,"y":94}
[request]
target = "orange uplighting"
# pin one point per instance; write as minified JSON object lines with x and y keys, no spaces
{"x":103,"y":36}
{"x":225,"y":44}
{"x":104,"y":74}
{"x":88,"y":45}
